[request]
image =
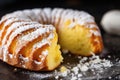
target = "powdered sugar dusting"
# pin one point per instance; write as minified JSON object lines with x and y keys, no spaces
{"x":45,"y":52}
{"x":35,"y":34}
{"x":23,"y":40}
{"x":16,"y":14}
{"x":25,"y":59}
{"x":72,"y":25}
{"x":96,"y":33}
{"x":85,"y":64}
{"x":58,"y":15}
{"x":41,"y":43}
{"x":15,"y":26}
{"x":10,"y":55}
{"x":42,"y":57}
{"x":92,"y":26}
{"x":29,"y":13}
{"x":48,"y":14}
{"x":19,"y":30}
{"x":44,"y":16}
{"x":37,"y":13}
{"x":76,"y":18}
{"x":11,"y":20}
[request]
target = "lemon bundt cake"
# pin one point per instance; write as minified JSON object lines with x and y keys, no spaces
{"x":29,"y":45}
{"x":28,"y":38}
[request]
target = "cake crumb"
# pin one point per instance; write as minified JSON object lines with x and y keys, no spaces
{"x":84,"y":68}
{"x":79,"y":75}
{"x":15,"y":69}
{"x":75,"y":70}
{"x":109,"y":56}
{"x":63,"y":69}
{"x":110,"y":77}
{"x":65,"y":51}
{"x":74,"y":78}
{"x":56,"y":77}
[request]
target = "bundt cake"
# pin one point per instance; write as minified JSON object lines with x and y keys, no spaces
{"x":28,"y":38}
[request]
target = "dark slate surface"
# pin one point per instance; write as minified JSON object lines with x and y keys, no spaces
{"x":95,"y":8}
{"x":112,"y":47}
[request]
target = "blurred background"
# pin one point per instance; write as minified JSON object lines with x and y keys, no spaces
{"x":95,"y":7}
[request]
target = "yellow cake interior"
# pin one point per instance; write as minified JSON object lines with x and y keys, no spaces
{"x":75,"y":39}
{"x":54,"y":57}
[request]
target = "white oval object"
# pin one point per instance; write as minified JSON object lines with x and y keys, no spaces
{"x":111,"y":22}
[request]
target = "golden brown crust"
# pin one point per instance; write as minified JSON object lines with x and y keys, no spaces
{"x":96,"y":41}
{"x":18,"y":50}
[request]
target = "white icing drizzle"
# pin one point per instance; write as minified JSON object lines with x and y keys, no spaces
{"x":96,"y":33}
{"x":38,"y":14}
{"x":15,"y":26}
{"x":43,"y":42}
{"x":25,"y":59}
{"x":57,"y":16}
{"x":11,"y":20}
{"x":42,"y":57}
{"x":53,"y":15}
{"x":20,"y":14}
{"x":48,"y":14}
{"x":63,"y":15}
{"x":30,"y":14}
{"x":36,"y":62}
{"x":16,"y":14}
{"x":3,"y":20}
{"x":19,"y":30}
{"x":5,"y":47}
{"x":92,"y":26}
{"x":31,"y":36}
{"x":35,"y":34}
{"x":81,"y":18}
{"x":45,"y":53}
{"x":1,"y":52}
{"x":24,"y":66}
{"x":40,"y":44}
{"x":5,"y":52}
{"x":10,"y":55}
{"x":44,"y":16}
{"x":51,"y":36}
